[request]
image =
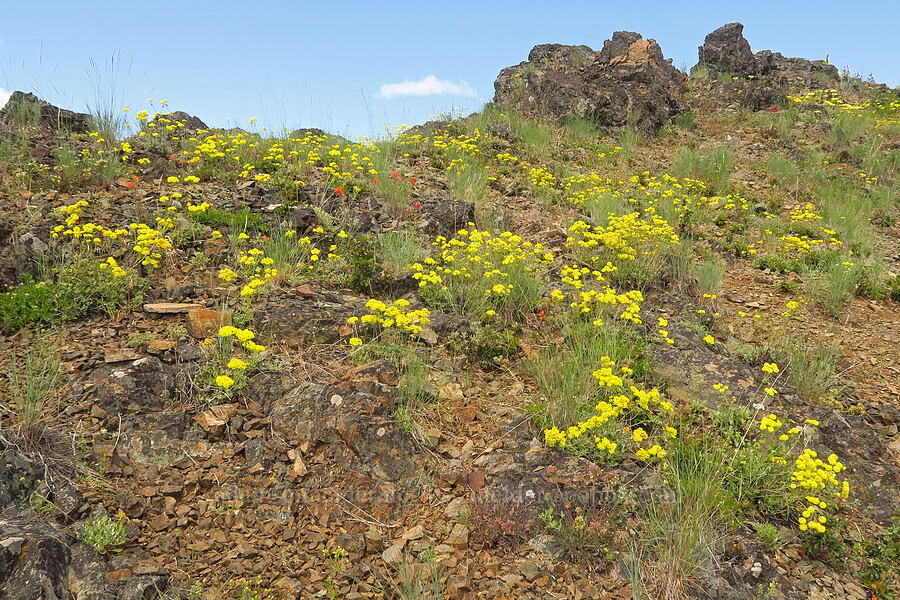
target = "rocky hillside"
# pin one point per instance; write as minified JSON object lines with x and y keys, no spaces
{"x":625,"y":333}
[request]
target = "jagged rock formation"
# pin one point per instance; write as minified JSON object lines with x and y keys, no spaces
{"x":628,"y":81}
{"x":771,"y":75}
{"x":30,"y":107}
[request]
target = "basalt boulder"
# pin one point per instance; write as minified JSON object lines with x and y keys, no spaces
{"x":628,"y":82}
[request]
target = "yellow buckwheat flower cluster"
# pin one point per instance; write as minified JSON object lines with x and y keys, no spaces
{"x":149,"y":243}
{"x":395,"y":315}
{"x":113,"y":267}
{"x":621,"y":404}
{"x":244,"y":336}
{"x":481,"y":261}
{"x":626,"y":238}
{"x":810,"y":473}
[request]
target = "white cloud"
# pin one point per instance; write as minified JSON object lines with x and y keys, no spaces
{"x":4,"y":97}
{"x":428,"y":86}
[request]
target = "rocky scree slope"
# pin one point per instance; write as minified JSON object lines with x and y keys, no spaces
{"x":330,"y":465}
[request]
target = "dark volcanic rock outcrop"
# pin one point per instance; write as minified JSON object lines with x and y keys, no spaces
{"x":32,"y":110}
{"x":765,"y":77}
{"x":628,"y":81}
{"x":726,"y":50}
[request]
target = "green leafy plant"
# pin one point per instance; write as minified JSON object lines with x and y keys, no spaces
{"x":337,"y":562}
{"x":103,"y":534}
{"x":880,"y":558}
{"x":769,"y":536}
{"x":487,"y":343}
{"x":587,"y":528}
{"x":29,"y":303}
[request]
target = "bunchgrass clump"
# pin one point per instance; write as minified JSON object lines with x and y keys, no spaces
{"x":33,"y":389}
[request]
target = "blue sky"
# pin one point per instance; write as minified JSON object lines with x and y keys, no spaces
{"x":319,"y":64}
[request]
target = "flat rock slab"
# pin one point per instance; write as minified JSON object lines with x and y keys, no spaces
{"x":118,"y":355}
{"x":205,"y":322}
{"x":171,"y":308}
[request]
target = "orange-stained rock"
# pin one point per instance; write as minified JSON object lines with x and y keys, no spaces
{"x":205,"y":322}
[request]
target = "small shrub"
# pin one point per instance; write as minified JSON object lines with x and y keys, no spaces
{"x":587,"y":528}
{"x":827,"y":546}
{"x":84,"y":286}
{"x":509,"y":278}
{"x":768,"y":534}
{"x":501,"y":523}
{"x":700,"y":72}
{"x":748,"y":353}
{"x":880,"y":559}
{"x":360,"y":254}
{"x":487,"y":343}
{"x":788,"y":287}
{"x":253,"y":589}
{"x":685,"y":121}
{"x":778,"y":263}
{"x":29,"y":303}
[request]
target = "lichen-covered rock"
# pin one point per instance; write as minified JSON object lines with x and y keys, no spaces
{"x":189,"y":122}
{"x":22,"y":481}
{"x":138,"y":386}
{"x":9,"y":261}
{"x":725,"y":50}
{"x":37,"y":560}
{"x":315,"y":316}
{"x":627,"y":82}
{"x":19,"y":476}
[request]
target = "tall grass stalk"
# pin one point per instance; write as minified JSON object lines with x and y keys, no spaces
{"x":33,"y":388}
{"x":109,"y":80}
{"x":418,"y":581}
{"x":683,"y":533}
